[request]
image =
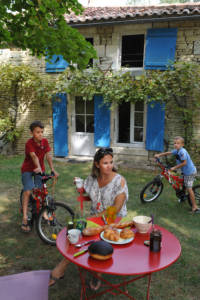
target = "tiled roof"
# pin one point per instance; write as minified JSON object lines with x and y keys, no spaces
{"x":114,"y":14}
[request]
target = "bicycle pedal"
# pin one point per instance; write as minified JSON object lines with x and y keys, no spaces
{"x":181,"y":200}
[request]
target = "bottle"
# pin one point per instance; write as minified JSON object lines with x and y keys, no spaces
{"x":79,"y":219}
{"x":155,"y":240}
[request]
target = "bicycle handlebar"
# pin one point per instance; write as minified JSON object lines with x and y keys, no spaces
{"x":45,"y":176}
{"x":161,"y":164}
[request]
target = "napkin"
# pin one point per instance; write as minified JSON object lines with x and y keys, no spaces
{"x":93,"y":224}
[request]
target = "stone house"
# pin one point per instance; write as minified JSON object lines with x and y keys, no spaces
{"x":128,"y":38}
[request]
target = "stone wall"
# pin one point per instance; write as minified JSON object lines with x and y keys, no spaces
{"x":107,"y":41}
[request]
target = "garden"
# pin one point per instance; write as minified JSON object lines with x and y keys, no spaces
{"x":24,"y":252}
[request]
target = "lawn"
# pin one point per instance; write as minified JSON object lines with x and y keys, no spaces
{"x":20,"y":252}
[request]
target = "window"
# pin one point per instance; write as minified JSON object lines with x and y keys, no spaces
{"x":84,"y":115}
{"x":132,"y":51}
{"x":130,"y":118}
{"x":91,"y":41}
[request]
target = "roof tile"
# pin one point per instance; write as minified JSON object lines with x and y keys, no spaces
{"x":126,"y":12}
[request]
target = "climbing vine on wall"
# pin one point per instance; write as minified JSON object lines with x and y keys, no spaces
{"x":178,"y":87}
{"x":20,"y":87}
{"x":115,"y":87}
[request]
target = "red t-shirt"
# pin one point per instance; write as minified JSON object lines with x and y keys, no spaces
{"x":39,"y":149}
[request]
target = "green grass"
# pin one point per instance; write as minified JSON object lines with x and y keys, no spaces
{"x":20,"y":252}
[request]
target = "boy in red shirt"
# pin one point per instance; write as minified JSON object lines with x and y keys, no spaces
{"x":36,"y":149}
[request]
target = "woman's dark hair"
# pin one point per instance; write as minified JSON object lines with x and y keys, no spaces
{"x":97,"y":157}
{"x":36,"y":124}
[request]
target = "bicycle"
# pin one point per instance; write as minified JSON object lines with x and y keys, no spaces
{"x":49,"y":216}
{"x":154,"y":188}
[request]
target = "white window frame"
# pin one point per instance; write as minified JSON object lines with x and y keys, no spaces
{"x":132,"y":142}
{"x":135,"y":70}
{"x":85,"y":118}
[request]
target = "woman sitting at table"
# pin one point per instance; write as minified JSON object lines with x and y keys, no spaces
{"x":105,"y":188}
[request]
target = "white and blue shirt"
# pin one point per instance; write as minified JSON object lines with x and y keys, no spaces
{"x":105,"y":196}
{"x":182,"y":155}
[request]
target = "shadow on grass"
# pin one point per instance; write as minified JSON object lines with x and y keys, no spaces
{"x":23,"y":252}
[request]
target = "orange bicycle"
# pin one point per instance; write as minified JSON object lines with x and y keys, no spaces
{"x":154,"y":188}
{"x":49,"y":216}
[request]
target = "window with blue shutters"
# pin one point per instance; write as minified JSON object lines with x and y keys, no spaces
{"x":160,"y":48}
{"x":57,"y":64}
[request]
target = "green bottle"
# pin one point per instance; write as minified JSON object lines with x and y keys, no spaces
{"x":79,"y":219}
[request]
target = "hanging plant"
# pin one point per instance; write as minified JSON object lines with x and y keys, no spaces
{"x":178,"y":87}
{"x":115,"y":87}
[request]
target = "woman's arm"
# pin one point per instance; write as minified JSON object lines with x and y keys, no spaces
{"x":118,"y":202}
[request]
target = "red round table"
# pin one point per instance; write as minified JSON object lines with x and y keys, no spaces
{"x":131,"y":259}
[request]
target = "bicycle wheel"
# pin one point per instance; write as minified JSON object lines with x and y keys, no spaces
{"x":31,"y":209}
{"x":196,"y":190}
{"x":151,"y":191}
{"x":51,"y":220}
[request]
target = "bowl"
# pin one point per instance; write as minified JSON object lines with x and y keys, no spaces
{"x":142,"y":223}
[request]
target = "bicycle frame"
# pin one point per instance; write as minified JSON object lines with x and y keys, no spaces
{"x":176,"y":181}
{"x":40,"y":194}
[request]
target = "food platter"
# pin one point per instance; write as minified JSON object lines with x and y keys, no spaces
{"x":119,"y":242}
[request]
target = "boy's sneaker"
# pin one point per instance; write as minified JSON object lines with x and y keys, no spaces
{"x":196,"y":211}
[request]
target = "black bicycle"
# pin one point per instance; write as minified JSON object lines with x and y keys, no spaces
{"x":48,"y":215}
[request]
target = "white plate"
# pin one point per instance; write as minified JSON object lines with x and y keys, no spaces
{"x":119,"y":242}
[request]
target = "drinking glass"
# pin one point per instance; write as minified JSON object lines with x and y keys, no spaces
{"x":111,"y":213}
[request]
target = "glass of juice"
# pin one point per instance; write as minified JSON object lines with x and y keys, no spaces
{"x":111,"y":214}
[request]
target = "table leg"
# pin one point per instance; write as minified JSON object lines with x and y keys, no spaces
{"x":148,"y":288}
{"x":83,"y":285}
{"x":110,"y":286}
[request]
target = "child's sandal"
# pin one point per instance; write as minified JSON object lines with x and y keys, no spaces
{"x":27,"y":226}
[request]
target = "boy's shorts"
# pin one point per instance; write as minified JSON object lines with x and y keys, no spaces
{"x":31,"y":180}
{"x":189,"y":180}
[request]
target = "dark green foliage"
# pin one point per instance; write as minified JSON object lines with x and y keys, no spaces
{"x":40,"y":26}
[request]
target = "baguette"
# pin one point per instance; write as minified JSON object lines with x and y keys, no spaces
{"x":92,"y":231}
{"x":124,"y":224}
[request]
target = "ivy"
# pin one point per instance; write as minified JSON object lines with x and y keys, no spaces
{"x":178,"y":87}
{"x":21,"y":86}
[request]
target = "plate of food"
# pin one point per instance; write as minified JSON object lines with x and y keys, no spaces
{"x":118,"y":236}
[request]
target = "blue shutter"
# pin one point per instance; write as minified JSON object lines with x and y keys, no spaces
{"x":57,"y":64}
{"x":60,"y":125}
{"x":155,"y":126}
{"x":101,"y":122}
{"x":160,"y":48}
